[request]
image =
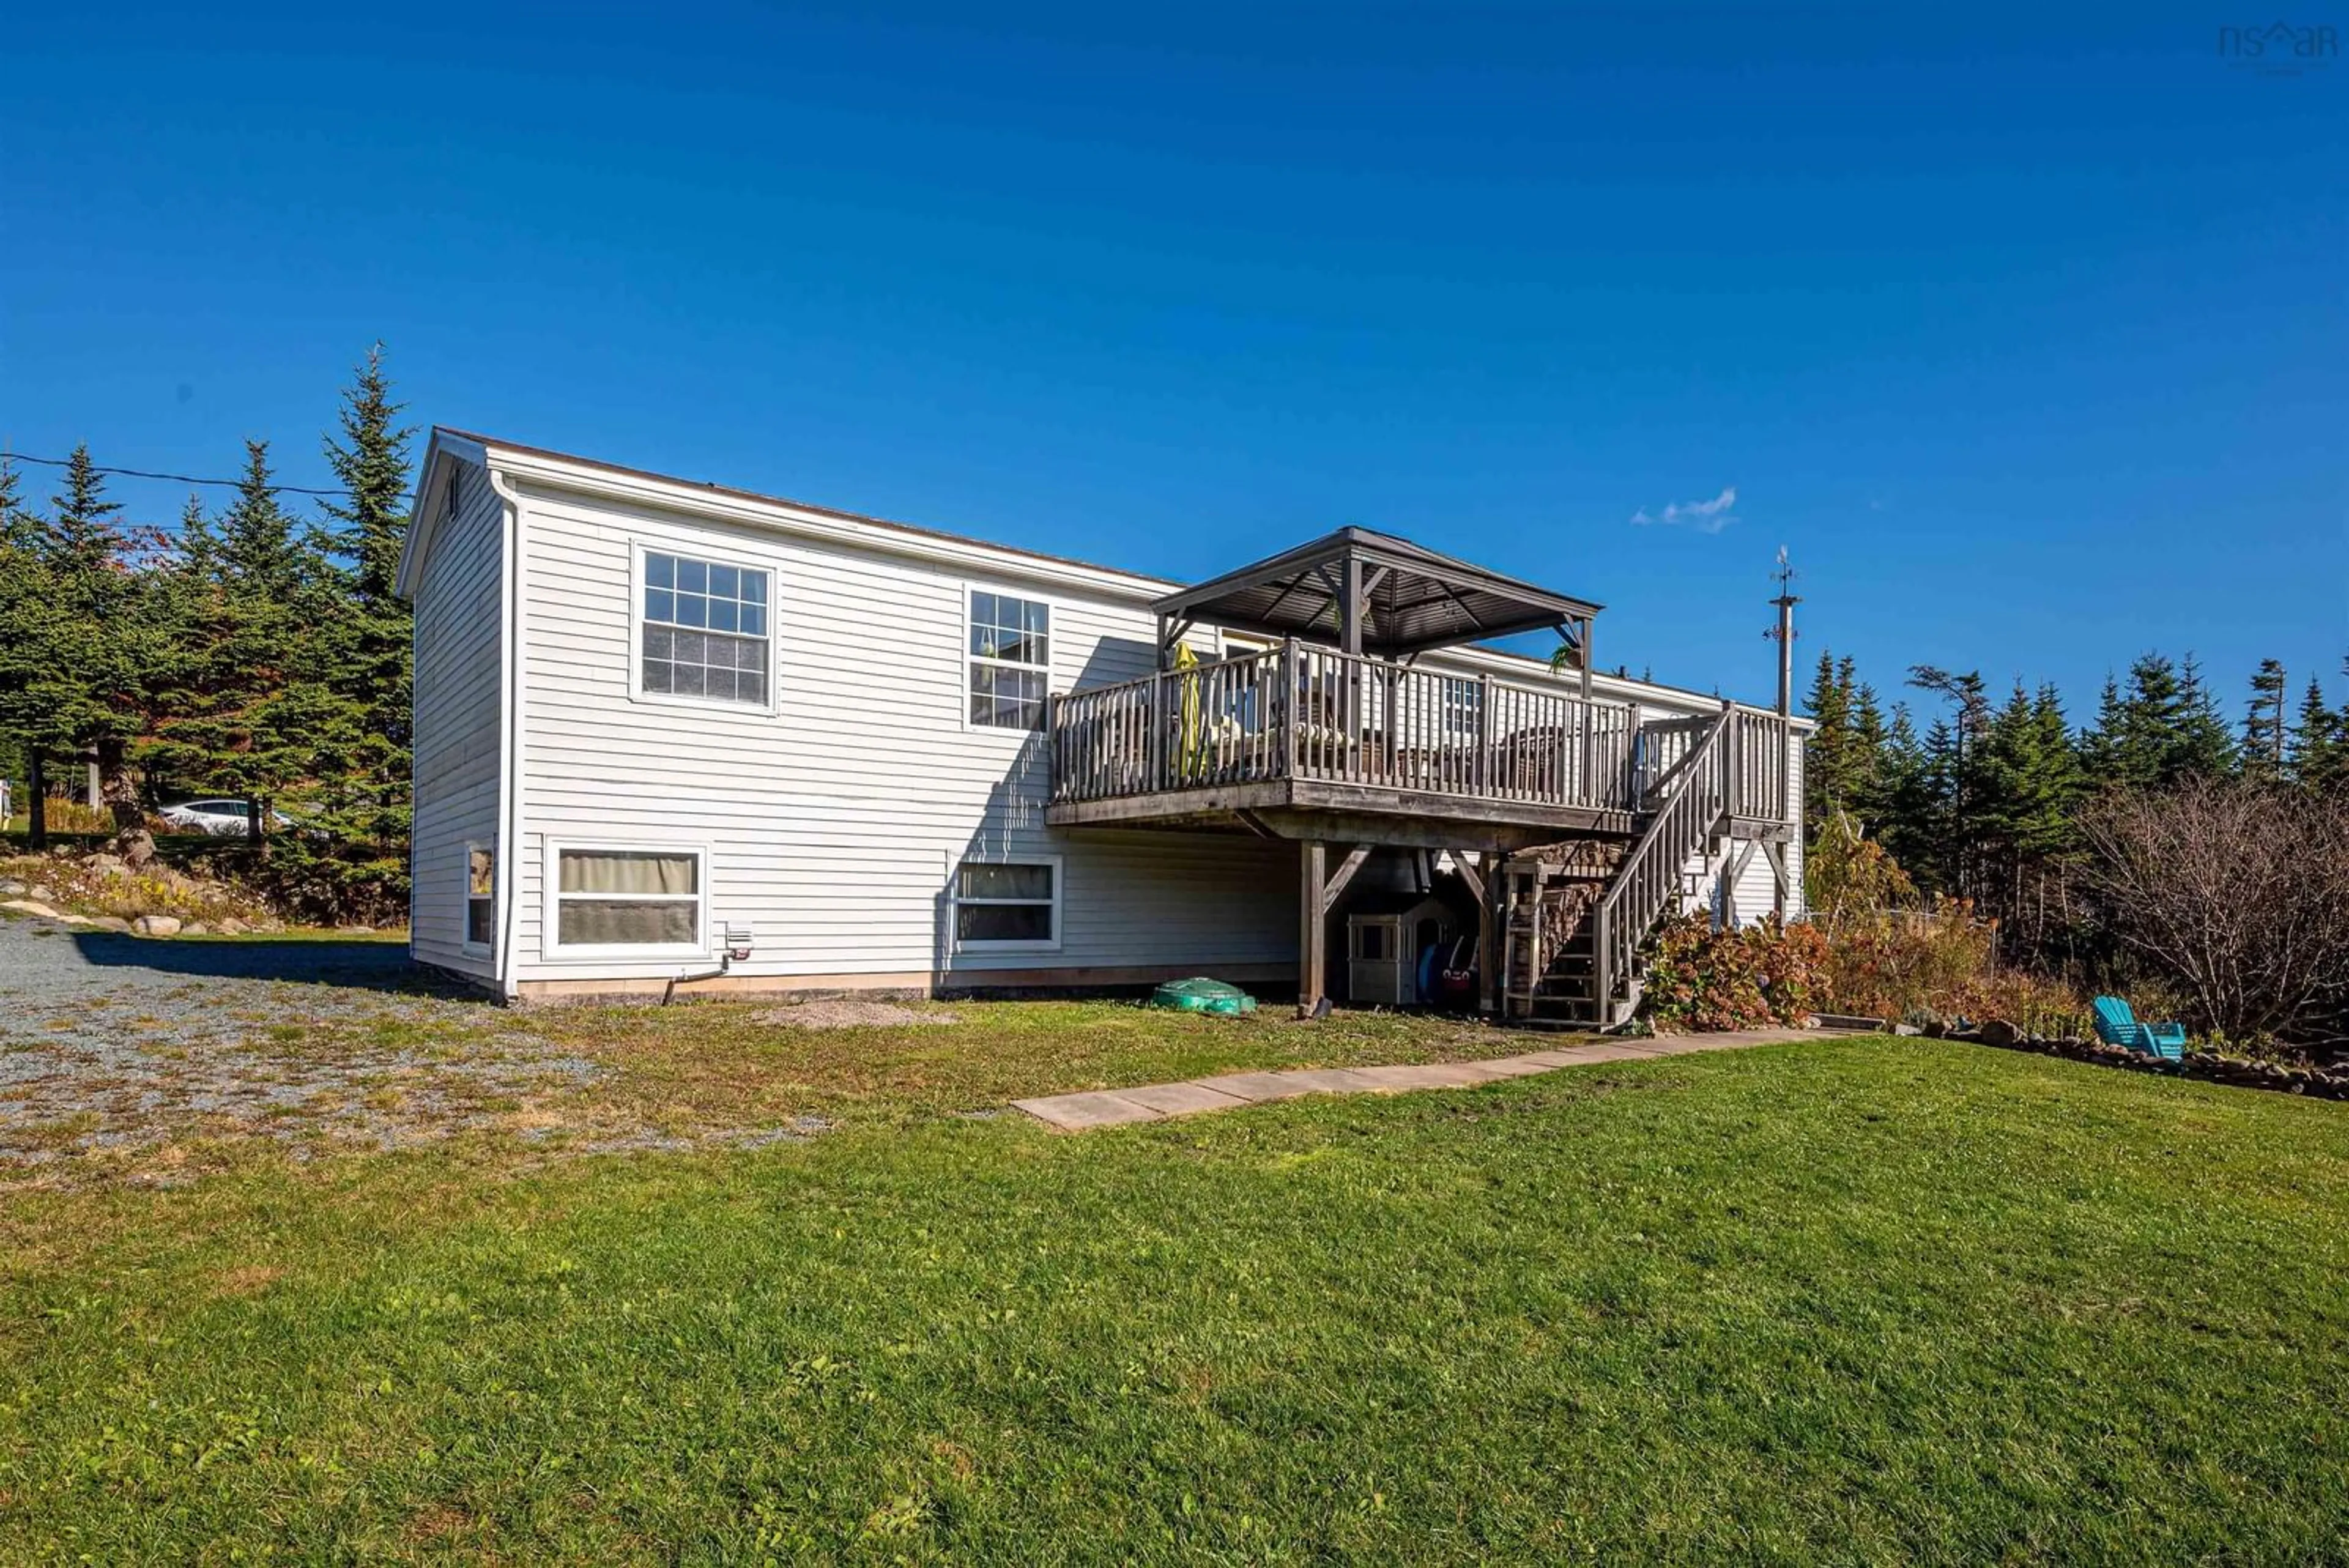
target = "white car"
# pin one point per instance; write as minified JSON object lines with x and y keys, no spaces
{"x":222,"y":818}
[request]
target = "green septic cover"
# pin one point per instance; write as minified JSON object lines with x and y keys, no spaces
{"x":1201,"y":995}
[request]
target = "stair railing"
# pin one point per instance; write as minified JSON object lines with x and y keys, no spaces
{"x":1649,"y":879}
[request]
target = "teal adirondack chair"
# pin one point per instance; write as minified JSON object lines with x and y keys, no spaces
{"x":2117,"y":1025}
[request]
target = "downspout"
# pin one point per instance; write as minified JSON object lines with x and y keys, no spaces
{"x":688,"y":976}
{"x":510,"y":703}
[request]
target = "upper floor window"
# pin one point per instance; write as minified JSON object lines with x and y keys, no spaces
{"x":1010,"y":661}
{"x":704,"y":630}
{"x":1463,"y":705}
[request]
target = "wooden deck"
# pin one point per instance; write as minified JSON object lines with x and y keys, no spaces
{"x":1269,"y":740}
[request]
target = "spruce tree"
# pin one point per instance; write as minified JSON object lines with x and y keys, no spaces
{"x":1954,"y":762}
{"x":2100,"y":744}
{"x":364,"y":794}
{"x":1910,"y":816}
{"x":267,"y":707}
{"x":1868,"y":739}
{"x":24,"y":632}
{"x":2202,"y":747}
{"x":91,"y":642}
{"x":188,"y":610}
{"x":2264,"y":730}
{"x":1823,"y":758}
{"x":2319,"y":743}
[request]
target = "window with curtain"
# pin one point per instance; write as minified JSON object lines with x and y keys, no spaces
{"x":1001,"y":902}
{"x":480,"y":895}
{"x":1010,"y":661}
{"x":703,"y":630}
{"x":612,"y":897}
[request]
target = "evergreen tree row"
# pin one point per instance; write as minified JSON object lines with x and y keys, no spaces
{"x":252,"y":653}
{"x":1985,"y":803}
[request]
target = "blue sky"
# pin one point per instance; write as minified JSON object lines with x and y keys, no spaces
{"x":2026,"y":335}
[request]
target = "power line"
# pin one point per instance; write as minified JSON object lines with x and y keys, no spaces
{"x":175,"y":478}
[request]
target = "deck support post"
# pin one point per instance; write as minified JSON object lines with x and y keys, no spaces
{"x":1312,"y":925}
{"x":1490,"y":891}
{"x":1589,"y":730}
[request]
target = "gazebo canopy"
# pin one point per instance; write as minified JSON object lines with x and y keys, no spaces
{"x":1374,"y":594}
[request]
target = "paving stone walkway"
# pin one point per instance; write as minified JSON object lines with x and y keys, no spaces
{"x":1156,"y":1102}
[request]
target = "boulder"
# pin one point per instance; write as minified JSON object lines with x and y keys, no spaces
{"x":1999,"y":1032}
{"x":31,"y":906}
{"x":109,"y":923}
{"x":157,"y":925}
{"x":195,"y":928}
{"x":1908,"y":1031}
{"x":43,"y":893}
{"x":232,"y":926}
{"x":108,"y":865}
{"x":12,"y":889}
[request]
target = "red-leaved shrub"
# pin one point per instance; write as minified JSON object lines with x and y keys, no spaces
{"x":1747,"y":977}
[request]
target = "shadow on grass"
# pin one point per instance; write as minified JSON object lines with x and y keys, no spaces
{"x":368,"y":965}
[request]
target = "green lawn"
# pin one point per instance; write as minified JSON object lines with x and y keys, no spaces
{"x":1863,"y":1300}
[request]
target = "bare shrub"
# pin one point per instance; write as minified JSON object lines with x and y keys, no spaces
{"x":2238,"y":892}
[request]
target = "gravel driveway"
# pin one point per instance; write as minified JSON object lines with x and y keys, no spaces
{"x":130,"y":1046}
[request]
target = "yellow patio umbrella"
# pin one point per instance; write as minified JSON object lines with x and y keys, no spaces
{"x":1193,"y":745}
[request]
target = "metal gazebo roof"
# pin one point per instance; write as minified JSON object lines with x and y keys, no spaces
{"x":1373,"y":592}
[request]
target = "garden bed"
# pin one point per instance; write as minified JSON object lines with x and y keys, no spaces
{"x":2237,"y":1072}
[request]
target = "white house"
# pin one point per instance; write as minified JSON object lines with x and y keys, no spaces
{"x":672,"y":734}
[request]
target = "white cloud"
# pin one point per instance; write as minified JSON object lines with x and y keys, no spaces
{"x":1704,"y":516}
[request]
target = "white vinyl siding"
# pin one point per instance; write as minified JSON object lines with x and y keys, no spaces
{"x":835,"y":818}
{"x":458,"y":736}
{"x":835,"y":822}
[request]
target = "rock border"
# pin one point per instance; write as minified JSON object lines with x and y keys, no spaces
{"x":2234,"y":1071}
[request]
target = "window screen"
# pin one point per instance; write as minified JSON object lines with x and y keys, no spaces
{"x":705,"y":631}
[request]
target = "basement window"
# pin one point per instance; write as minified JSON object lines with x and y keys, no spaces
{"x":614,"y":900}
{"x":480,"y":895}
{"x":1008,"y":905}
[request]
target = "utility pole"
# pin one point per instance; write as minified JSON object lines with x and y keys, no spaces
{"x":1785,"y":601}
{"x":1782,"y":763}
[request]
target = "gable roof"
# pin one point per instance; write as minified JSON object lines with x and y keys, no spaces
{"x":563,"y":470}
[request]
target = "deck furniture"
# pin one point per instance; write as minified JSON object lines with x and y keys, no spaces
{"x":2118,"y":1026}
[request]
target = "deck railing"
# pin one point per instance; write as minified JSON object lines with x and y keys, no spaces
{"x":1306,"y":712}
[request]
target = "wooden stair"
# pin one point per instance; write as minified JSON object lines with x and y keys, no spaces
{"x":1577,"y":915}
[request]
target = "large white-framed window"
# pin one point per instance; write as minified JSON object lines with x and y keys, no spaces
{"x":481,"y":897}
{"x":1463,"y":705}
{"x":702,"y":631}
{"x":622,"y":900}
{"x":1010,"y":665}
{"x":1008,"y":905}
